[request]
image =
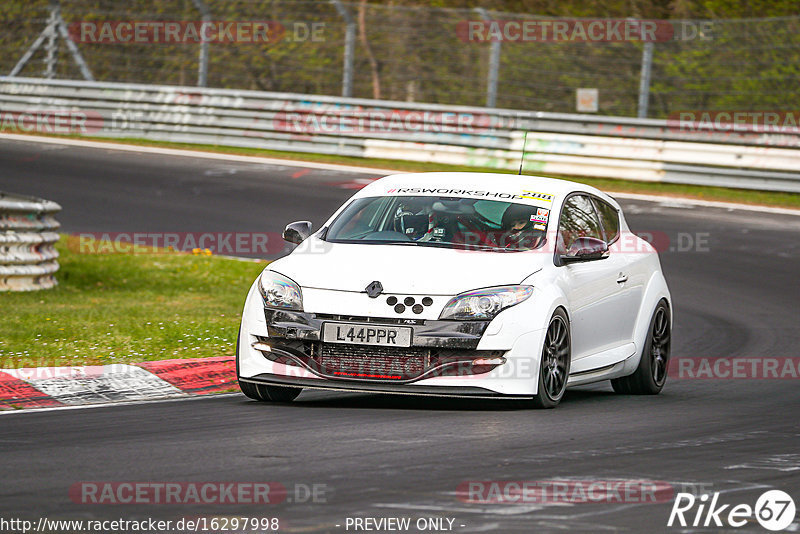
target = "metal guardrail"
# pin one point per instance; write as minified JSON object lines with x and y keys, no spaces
{"x":565,"y":144}
{"x":27,"y":238}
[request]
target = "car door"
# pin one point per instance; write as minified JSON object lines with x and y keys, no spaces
{"x":631,"y":276}
{"x":594,"y":295}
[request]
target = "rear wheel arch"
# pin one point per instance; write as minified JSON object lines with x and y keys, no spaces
{"x":652,"y":369}
{"x":655,"y":291}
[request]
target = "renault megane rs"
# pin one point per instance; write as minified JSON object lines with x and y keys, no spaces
{"x":460,"y":284}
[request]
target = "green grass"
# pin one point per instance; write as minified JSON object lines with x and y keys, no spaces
{"x":723,"y":194}
{"x":126,"y":308}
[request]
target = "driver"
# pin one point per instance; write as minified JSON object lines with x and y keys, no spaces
{"x":413,"y":219}
{"x":517,"y":228}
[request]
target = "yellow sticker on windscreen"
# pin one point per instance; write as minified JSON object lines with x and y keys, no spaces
{"x":533,"y":195}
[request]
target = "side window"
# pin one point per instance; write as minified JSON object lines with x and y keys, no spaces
{"x":578,"y":219}
{"x":358,"y":219}
{"x":609,"y":218}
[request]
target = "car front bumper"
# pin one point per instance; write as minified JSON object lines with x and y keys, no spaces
{"x":448,"y":358}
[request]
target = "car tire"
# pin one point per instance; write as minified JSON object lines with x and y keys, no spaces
{"x":651,"y":373}
{"x":262,"y":392}
{"x":555,"y":362}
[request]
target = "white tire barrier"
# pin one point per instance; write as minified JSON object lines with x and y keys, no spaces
{"x":27,"y":243}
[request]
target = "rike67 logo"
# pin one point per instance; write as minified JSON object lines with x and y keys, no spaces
{"x":774,"y":510}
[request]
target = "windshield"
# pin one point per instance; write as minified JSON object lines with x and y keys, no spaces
{"x":449,"y":222}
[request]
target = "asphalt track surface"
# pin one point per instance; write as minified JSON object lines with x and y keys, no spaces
{"x":392,"y":456}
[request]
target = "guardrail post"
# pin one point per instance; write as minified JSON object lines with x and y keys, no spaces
{"x":27,"y":235}
{"x":51,"y":48}
{"x":494,"y":65}
{"x":202,"y":67}
{"x":349,"y":47}
{"x":644,"y":81}
{"x":55,"y":27}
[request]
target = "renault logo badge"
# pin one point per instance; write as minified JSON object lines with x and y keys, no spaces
{"x":374,"y":289}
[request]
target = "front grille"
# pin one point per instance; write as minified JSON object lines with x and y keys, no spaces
{"x":372,"y":362}
{"x":378,"y":363}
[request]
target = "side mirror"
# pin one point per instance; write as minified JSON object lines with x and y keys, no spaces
{"x":585,"y":249}
{"x":297,"y":232}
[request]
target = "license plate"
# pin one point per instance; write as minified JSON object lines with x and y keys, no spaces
{"x":362,"y":334}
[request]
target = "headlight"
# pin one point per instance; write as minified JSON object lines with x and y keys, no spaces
{"x":279,"y":291}
{"x":484,"y":303}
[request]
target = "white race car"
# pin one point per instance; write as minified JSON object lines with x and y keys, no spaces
{"x":460,"y":284}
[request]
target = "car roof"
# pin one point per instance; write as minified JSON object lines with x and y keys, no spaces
{"x":483,"y":181}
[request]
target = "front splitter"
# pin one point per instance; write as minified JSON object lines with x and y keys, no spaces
{"x":394,"y":389}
